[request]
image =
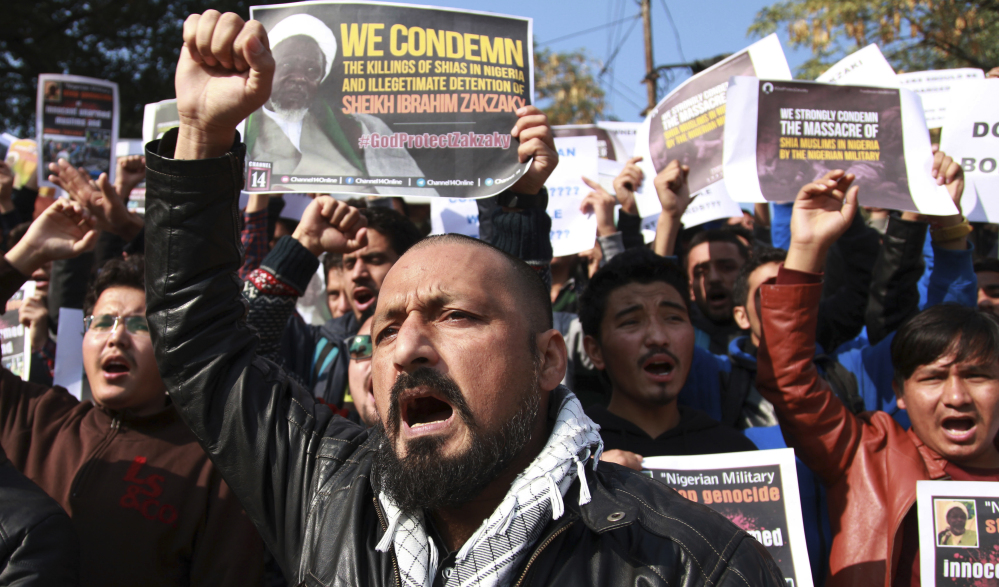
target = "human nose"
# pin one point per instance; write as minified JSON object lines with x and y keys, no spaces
{"x":657,"y":335}
{"x":360,"y":270}
{"x":118,"y":335}
{"x":413,"y":347}
{"x":956,"y":393}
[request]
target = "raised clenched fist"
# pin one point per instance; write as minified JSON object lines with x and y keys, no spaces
{"x":331,"y":226}
{"x":224,"y":74}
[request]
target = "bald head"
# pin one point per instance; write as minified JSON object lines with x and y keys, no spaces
{"x":523,"y":281}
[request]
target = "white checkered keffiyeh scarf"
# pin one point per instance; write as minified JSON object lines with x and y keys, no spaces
{"x":491,"y":554}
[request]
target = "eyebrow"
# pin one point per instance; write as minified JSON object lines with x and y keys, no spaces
{"x":635,"y":307}
{"x":432,"y":300}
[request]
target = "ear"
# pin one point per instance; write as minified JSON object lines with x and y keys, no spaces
{"x":741,"y":317}
{"x":554,"y":358}
{"x":594,"y":351}
{"x":899,"y":400}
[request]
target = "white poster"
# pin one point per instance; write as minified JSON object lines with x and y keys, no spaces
{"x":958,"y":533}
{"x":459,"y":215}
{"x":615,"y":145}
{"x":572,"y":231}
{"x":15,"y":344}
{"x":866,"y":67}
{"x":970,"y":135}
{"x":934,"y":89}
{"x":757,"y":491}
{"x":688,"y":125}
{"x":76,"y":119}
{"x":69,"y":352}
{"x":158,"y":118}
{"x":782,"y":135}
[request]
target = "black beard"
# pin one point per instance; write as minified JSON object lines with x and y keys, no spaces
{"x":426,"y":480}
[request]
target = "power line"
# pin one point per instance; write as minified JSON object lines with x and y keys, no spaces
{"x":597,"y":28}
{"x":618,"y":49}
{"x":676,"y":33}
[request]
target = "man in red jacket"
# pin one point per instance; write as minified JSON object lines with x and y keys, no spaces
{"x":946,"y":377}
{"x":148,"y":505}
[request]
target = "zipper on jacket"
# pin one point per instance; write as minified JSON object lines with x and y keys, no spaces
{"x":384,"y":524}
{"x":537,"y":552}
{"x":85,"y":472}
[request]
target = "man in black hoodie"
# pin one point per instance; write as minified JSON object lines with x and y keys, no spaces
{"x":635,"y":315}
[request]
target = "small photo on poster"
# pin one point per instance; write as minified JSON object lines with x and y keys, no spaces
{"x":956,"y":523}
{"x":53,"y":91}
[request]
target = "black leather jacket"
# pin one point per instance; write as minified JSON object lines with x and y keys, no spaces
{"x":303,"y":475}
{"x":38,"y":545}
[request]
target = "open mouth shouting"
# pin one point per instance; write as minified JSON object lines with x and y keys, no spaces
{"x":959,"y":429}
{"x":423,"y":412}
{"x":659,"y":366}
{"x":717,"y":299}
{"x":364,"y":298}
{"x":115,"y":368}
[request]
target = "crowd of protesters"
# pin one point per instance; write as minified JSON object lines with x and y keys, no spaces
{"x":473,"y":411}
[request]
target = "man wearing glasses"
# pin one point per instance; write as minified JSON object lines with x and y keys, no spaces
{"x":147,"y":504}
{"x":361,"y":392}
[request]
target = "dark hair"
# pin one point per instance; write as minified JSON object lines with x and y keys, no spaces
{"x":987,"y":264}
{"x":128,"y":272}
{"x":399,"y":230}
{"x":331,"y":262}
{"x":638,"y":265}
{"x":718,"y":235}
{"x":530,"y":286}
{"x":761,"y":257}
{"x":939,"y":331}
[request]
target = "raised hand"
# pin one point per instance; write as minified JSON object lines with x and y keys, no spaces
{"x":332,"y":226}
{"x":823,"y":210}
{"x":602,"y":204}
{"x":130,"y":173}
{"x":34,"y":315}
{"x":100,"y":199}
{"x":671,"y":187}
{"x":224,"y":74}
{"x":64,"y":230}
{"x":625,"y":184}
{"x":537,"y":144}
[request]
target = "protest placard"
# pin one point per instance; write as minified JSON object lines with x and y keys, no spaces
{"x":77,"y":120}
{"x":782,"y":135}
{"x":572,"y":231}
{"x":459,"y":215}
{"x":934,"y":89}
{"x":22,"y":157}
{"x":158,"y":118}
{"x":688,"y":124}
{"x":970,"y":135}
{"x":68,"y":371}
{"x":15,"y":344}
{"x":390,"y":99}
{"x":757,"y":491}
{"x":866,"y":67}
{"x":958,"y":533}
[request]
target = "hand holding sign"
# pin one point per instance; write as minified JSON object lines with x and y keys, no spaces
{"x":537,"y":144}
{"x":224,"y":74}
{"x":332,"y":226}
{"x":822,"y":212}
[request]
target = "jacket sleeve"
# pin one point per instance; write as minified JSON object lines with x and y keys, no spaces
{"x":261,"y":430}
{"x":849,"y":266}
{"x":893,"y":296}
{"x":228,"y":552}
{"x":254,"y":239}
{"x":952,"y":279}
{"x":823,"y":432}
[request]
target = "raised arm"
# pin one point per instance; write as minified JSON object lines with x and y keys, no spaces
{"x":262,"y":431}
{"x":814,"y":422}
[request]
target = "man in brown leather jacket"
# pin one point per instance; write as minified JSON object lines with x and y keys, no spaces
{"x":946,"y":376}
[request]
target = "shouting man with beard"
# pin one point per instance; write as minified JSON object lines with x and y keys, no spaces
{"x":481,"y":468}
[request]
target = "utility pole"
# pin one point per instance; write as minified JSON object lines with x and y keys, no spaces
{"x":650,"y":68}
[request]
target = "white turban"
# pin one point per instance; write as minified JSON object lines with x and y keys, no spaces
{"x":958,"y":505}
{"x":309,"y":26}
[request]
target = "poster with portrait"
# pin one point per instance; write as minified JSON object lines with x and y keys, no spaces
{"x":757,"y":491}
{"x":15,"y":344}
{"x":934,"y":89}
{"x":782,"y":135}
{"x":158,"y":118}
{"x":970,"y":135}
{"x":689,"y":124}
{"x":375,"y":98}
{"x":77,"y":120}
{"x":958,"y":533}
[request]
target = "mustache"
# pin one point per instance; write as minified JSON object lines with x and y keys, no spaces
{"x":659,"y":350}
{"x":436,"y":382}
